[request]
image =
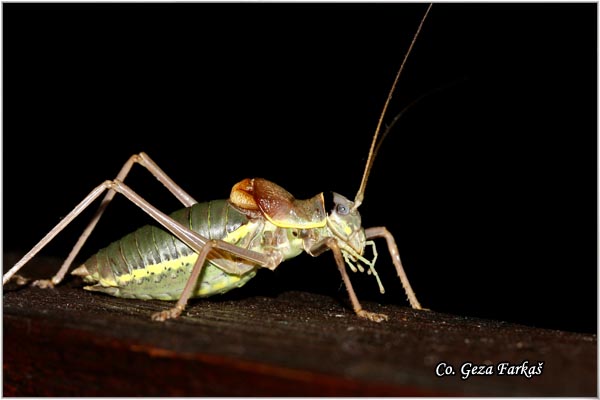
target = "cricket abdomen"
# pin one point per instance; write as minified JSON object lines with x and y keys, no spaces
{"x":151,"y":263}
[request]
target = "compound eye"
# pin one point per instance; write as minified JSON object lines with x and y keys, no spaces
{"x":342,"y":209}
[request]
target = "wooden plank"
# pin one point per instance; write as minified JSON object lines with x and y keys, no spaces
{"x":69,"y":342}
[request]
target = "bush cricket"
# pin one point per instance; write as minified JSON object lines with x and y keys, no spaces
{"x":212,"y":247}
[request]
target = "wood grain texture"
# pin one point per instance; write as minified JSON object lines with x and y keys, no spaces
{"x":68,"y":342}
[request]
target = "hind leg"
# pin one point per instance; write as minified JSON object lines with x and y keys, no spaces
{"x":142,"y":159}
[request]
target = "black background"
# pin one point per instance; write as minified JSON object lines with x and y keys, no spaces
{"x":488,"y":183}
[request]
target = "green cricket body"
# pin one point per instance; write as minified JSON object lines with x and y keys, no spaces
{"x":151,"y":263}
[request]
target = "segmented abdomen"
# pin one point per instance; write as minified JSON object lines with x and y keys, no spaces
{"x":151,"y":263}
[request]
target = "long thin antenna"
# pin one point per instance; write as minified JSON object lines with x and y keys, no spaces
{"x":389,"y":127}
{"x":363,"y":184}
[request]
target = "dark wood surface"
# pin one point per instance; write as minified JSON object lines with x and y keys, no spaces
{"x":69,"y":342}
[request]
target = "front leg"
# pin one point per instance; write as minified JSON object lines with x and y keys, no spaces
{"x":339,"y":260}
{"x":379,"y":232}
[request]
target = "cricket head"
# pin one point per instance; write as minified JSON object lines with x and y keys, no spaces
{"x":344,"y":222}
